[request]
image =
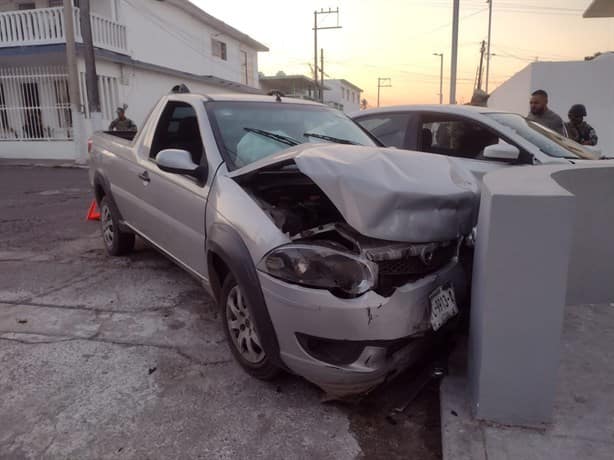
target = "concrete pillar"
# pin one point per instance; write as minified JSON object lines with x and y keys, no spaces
{"x":519,"y":286}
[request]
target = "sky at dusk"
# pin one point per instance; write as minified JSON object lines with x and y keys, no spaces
{"x":397,"y":39}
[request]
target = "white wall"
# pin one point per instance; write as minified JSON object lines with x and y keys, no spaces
{"x":513,"y":95}
{"x":144,"y":88}
{"x":339,"y":93}
{"x":99,"y":7}
{"x":164,"y":35}
{"x":567,"y":83}
{"x":37,"y":150}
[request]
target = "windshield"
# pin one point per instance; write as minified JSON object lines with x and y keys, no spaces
{"x":249,"y":131}
{"x":546,"y":140}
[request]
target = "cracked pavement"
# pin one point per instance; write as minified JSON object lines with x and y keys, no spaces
{"x":106,"y":357}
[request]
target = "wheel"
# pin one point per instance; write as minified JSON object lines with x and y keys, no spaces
{"x":116,"y":242}
{"x":241,"y":333}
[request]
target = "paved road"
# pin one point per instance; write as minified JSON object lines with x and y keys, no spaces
{"x":125,"y":358}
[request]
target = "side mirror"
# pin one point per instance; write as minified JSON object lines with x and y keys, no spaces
{"x":180,"y":162}
{"x":501,"y":152}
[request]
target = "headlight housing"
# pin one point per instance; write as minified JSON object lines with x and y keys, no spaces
{"x":342,"y":273}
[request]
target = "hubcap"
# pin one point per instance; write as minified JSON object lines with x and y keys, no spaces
{"x":107,"y":226}
{"x":241,"y":327}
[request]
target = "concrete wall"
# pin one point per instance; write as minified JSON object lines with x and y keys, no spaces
{"x":543,"y":243}
{"x":567,"y":83}
{"x":513,"y":94}
{"x":591,"y":266}
{"x":38,"y":150}
{"x":100,"y":7}
{"x":164,"y":35}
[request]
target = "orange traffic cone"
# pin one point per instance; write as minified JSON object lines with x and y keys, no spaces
{"x":93,"y":213}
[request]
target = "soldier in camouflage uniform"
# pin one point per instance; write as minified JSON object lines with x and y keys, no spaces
{"x":579,"y":130}
{"x":121,"y":123}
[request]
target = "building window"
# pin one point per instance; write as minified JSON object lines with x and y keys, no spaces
{"x":244,"y":68}
{"x":218,"y":49}
{"x":62,"y":103}
{"x":26,"y":6}
{"x":58,"y":3}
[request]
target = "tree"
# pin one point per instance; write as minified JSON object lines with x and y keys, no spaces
{"x":280,"y":73}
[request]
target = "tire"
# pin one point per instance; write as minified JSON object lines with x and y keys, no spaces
{"x":116,"y":242}
{"x":241,"y":333}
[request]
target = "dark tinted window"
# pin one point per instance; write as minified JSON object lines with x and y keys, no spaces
{"x":178,"y":129}
{"x":455,"y":137}
{"x":389,"y":129}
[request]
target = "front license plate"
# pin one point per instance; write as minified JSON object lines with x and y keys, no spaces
{"x":443,"y":305}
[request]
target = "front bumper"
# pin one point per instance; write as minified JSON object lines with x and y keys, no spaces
{"x":371,"y":318}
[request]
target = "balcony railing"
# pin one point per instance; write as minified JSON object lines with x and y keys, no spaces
{"x":45,"y":26}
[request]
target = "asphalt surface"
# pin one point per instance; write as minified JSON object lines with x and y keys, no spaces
{"x":106,"y":357}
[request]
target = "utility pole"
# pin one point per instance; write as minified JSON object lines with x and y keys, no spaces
{"x":382,"y":82}
{"x":73,"y":82}
{"x":488,"y":50}
{"x":319,"y":95}
{"x":440,"y":76}
{"x":454,"y":51}
{"x":91,"y":77}
{"x":322,"y":73}
{"x":482,"y":49}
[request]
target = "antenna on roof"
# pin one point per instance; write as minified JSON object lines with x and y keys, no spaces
{"x":180,"y":89}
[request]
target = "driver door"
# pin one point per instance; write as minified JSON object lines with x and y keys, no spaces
{"x":173,"y":205}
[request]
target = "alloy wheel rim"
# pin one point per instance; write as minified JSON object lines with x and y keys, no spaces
{"x":107,"y":226}
{"x":242,"y":329}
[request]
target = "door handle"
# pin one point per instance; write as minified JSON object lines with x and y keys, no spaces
{"x":144,"y":176}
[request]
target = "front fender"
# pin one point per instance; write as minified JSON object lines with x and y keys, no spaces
{"x":225,"y":242}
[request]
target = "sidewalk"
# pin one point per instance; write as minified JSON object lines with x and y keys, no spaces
{"x":42,"y":163}
{"x":583,"y":422}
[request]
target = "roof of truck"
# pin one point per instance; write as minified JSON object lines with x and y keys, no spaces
{"x":445,"y":108}
{"x":239,"y":97}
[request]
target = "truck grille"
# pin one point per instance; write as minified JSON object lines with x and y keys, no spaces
{"x":396,"y":272}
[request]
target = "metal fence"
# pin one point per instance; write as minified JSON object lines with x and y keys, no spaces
{"x":34,"y":103}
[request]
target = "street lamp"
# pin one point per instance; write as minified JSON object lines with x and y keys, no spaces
{"x":440,"y":77}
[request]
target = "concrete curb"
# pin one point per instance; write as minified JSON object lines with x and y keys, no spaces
{"x":42,"y":164}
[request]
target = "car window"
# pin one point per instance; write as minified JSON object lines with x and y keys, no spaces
{"x":248,"y":131}
{"x":546,"y":140}
{"x":389,"y":129}
{"x":455,"y":137}
{"x":178,"y":129}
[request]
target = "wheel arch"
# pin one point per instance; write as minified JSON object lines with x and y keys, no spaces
{"x":228,"y":254}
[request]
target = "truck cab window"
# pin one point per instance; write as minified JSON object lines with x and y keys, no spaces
{"x":178,"y":129}
{"x":455,"y":137}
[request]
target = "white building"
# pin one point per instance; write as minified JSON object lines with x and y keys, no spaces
{"x":142,"y":49}
{"x":297,"y":86}
{"x":343,"y":95}
{"x":567,"y":83}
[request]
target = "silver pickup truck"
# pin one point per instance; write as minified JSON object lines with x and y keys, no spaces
{"x":329,"y":256}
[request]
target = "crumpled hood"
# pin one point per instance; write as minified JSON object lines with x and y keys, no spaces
{"x":389,"y":194}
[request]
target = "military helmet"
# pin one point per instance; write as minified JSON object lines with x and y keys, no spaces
{"x":578,"y":110}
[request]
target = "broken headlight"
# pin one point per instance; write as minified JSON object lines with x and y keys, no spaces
{"x":321,"y":267}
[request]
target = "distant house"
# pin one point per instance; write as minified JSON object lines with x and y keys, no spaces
{"x":142,"y":49}
{"x":586,"y":82}
{"x":342,"y":95}
{"x":297,"y":86}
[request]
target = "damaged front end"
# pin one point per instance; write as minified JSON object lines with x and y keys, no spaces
{"x":359,"y":219}
{"x":371,"y":233}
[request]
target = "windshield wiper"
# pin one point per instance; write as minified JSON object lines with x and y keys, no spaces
{"x":277,"y":137}
{"x":337,"y":140}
